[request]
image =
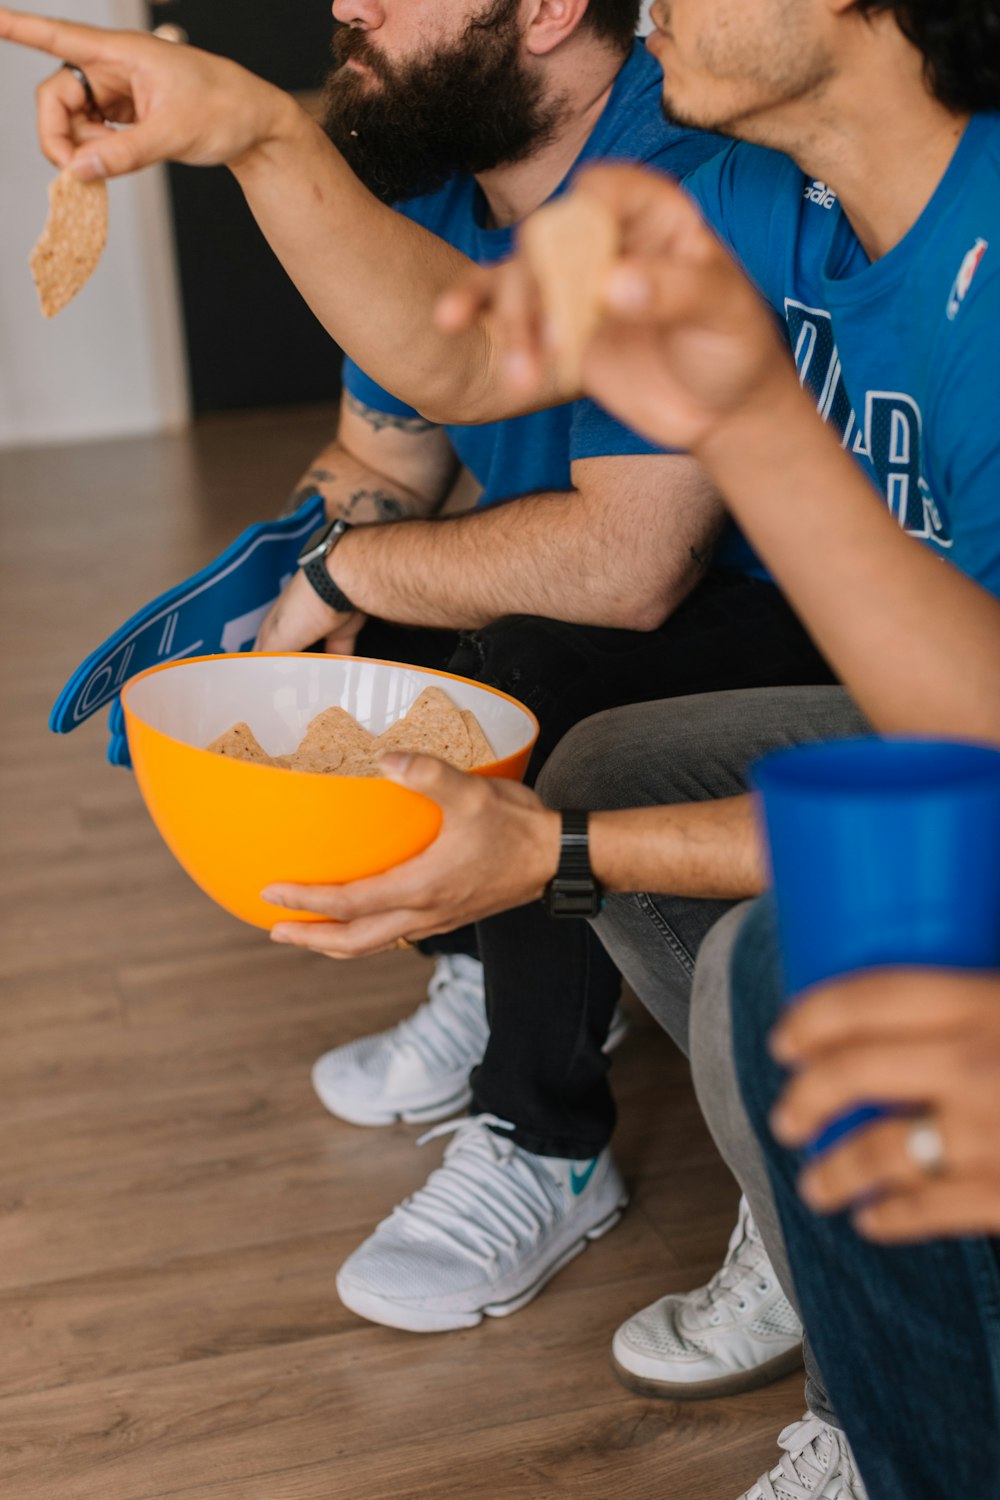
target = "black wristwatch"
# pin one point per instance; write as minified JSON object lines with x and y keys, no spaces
{"x":573,"y":891}
{"x":312,"y":561}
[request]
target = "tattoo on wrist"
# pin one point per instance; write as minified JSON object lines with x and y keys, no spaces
{"x":382,"y":421}
{"x":701,"y":558}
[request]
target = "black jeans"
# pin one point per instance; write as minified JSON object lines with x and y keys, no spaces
{"x":550,"y":986}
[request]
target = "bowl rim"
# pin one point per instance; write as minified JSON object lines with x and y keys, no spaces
{"x":314,"y":656}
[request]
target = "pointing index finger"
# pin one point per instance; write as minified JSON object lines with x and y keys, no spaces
{"x":68,"y":40}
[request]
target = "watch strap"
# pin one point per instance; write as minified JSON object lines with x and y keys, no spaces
{"x":573,"y":891}
{"x":312,"y":562}
{"x":319,"y":576}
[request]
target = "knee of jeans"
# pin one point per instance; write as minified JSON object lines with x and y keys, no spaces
{"x":713,"y":1067}
{"x":757,"y":999}
{"x":578,"y":773}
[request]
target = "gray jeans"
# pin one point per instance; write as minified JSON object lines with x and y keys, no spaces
{"x":693,"y":750}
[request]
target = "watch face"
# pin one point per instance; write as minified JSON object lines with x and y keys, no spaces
{"x":318,"y":544}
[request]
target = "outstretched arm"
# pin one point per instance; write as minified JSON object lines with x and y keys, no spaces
{"x":370,"y":275}
{"x":690,"y":353}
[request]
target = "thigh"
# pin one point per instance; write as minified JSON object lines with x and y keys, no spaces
{"x":689,"y":749}
{"x":733,"y":631}
{"x":677,"y":751}
{"x":411,"y":644}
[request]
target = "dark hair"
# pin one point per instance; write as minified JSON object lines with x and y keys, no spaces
{"x":960,"y":42}
{"x":615,"y":21}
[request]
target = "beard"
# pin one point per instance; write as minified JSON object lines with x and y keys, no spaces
{"x":468,"y":106}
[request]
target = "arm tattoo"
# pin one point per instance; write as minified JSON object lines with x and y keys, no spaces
{"x":380,"y":421}
{"x":701,"y":558}
{"x":386,"y":507}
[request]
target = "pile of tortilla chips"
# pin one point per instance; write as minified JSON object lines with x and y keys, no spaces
{"x":335,"y":744}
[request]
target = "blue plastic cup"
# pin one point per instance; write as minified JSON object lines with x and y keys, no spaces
{"x":884,"y":852}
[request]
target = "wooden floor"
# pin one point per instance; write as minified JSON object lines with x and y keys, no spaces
{"x":173,"y":1201}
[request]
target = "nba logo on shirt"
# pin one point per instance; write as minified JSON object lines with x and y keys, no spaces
{"x":963,"y":280}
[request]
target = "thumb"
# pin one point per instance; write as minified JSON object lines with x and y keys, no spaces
{"x":119,"y":152}
{"x":426,"y":774}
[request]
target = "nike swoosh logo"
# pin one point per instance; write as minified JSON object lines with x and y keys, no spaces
{"x":578,"y":1180}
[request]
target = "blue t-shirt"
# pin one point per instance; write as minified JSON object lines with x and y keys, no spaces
{"x":903,"y":353}
{"x":533,"y":454}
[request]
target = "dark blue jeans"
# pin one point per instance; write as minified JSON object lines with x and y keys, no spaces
{"x":907,"y":1338}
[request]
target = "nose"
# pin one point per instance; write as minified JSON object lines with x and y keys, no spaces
{"x":365,"y":14}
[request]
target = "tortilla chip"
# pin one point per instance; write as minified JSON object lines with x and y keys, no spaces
{"x":571,"y":245}
{"x":336,"y":742}
{"x":71,"y":243}
{"x":239,"y":743}
{"x":483,"y":753}
{"x":432,"y":725}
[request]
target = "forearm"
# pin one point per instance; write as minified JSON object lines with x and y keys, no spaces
{"x":540,"y":555}
{"x":864,"y":589}
{"x":369,"y":274}
{"x":708,"y":850}
{"x":357,"y":492}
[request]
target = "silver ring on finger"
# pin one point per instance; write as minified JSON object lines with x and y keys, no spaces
{"x":925,"y":1147}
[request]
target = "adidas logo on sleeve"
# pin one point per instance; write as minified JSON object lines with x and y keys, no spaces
{"x":818,"y":193}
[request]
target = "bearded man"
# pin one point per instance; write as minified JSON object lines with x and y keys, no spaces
{"x":609,"y":577}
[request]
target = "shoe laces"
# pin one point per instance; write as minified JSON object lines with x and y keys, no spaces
{"x":745,"y":1273}
{"x":815,"y":1453}
{"x":450,"y":1026}
{"x":488,"y":1199}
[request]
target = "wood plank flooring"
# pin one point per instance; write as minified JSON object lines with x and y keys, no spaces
{"x":174,"y":1203}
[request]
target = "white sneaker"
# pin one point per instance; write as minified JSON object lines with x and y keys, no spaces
{"x":489,"y":1228}
{"x":418,"y":1071}
{"x":818,"y":1465}
{"x":738,"y":1332}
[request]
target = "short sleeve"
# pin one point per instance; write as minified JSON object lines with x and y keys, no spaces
{"x":368,"y":393}
{"x":595,"y":434}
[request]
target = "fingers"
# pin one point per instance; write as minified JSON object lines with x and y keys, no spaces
{"x":69,"y":40}
{"x":116,"y":153}
{"x":517,"y":316}
{"x":960,"y":1206}
{"x":62,"y":115}
{"x":460,"y":308}
{"x":892,"y":1072}
{"x":354,"y":939}
{"x":887,"y":1004}
{"x":868,"y":1163}
{"x":653,"y":213}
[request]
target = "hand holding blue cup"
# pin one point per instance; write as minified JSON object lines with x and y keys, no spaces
{"x":884,"y":852}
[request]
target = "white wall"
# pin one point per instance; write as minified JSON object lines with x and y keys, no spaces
{"x":112,"y":362}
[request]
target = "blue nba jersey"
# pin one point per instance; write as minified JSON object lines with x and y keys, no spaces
{"x":903,"y":353}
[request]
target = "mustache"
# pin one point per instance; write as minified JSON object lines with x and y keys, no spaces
{"x":350,"y":43}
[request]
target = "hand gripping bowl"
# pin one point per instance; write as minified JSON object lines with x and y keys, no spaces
{"x":235,"y":826}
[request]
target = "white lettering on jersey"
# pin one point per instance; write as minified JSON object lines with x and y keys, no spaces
{"x":891,"y":436}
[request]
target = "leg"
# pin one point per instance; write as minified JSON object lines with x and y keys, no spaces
{"x":922,"y":1323}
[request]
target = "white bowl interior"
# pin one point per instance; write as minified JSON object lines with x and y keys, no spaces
{"x":277,"y":696}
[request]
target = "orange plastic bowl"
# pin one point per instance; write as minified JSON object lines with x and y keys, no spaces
{"x":237,"y":827}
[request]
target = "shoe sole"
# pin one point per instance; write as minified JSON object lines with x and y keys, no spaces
{"x":424,"y":1320}
{"x":732,"y":1384}
{"x":437,"y":1109}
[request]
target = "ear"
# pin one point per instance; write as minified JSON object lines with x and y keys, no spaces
{"x":550,"y":22}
